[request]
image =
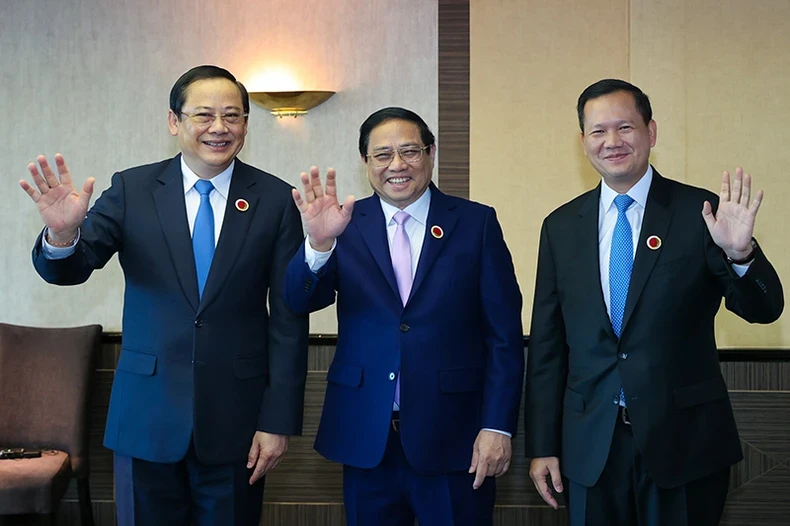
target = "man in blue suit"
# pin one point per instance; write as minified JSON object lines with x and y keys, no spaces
{"x":210,"y":381}
{"x":424,"y":389}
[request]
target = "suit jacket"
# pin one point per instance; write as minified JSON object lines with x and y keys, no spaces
{"x":666,"y":358}
{"x":219,"y":368}
{"x":457,"y":343}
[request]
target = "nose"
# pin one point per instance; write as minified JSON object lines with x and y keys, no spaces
{"x":397,"y":163}
{"x":218,"y":125}
{"x":613,"y":139}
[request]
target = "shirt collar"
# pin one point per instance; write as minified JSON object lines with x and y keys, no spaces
{"x":638,"y":192}
{"x":418,"y":210}
{"x":220,"y":181}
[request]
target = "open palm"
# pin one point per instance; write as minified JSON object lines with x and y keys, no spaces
{"x":61,"y":206}
{"x":323,"y":217}
{"x":732,"y":226}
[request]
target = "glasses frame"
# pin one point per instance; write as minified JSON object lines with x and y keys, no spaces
{"x":222,"y":117}
{"x":373,"y":161}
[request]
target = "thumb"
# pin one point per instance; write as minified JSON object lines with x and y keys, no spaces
{"x":87,"y":192}
{"x":556,"y":478}
{"x":252,"y":456}
{"x":348,"y":206}
{"x":707,"y":215}
{"x":473,"y":465}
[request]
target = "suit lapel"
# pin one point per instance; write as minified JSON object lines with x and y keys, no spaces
{"x":658,"y":216}
{"x":374,"y":233}
{"x":589,"y":258}
{"x":172,"y":212}
{"x":235,"y":226}
{"x":442,"y":213}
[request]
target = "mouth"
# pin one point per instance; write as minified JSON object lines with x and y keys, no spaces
{"x":217,"y":145}
{"x":616,"y":157}
{"x":398,"y":181}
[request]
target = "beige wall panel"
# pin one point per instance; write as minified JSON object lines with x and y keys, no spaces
{"x":717,"y":74}
{"x":91,"y":78}
{"x":530,"y":60}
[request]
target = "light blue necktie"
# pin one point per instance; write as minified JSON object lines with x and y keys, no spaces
{"x":621,"y":261}
{"x":203,"y":234}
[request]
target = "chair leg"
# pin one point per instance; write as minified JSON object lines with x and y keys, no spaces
{"x":84,"y":494}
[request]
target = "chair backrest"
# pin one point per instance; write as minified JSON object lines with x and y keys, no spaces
{"x":45,"y":378}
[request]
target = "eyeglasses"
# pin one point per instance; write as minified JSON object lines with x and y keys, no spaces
{"x":204,"y":118}
{"x":409,"y":154}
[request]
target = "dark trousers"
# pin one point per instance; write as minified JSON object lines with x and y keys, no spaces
{"x":394,"y":494}
{"x":625,"y":495}
{"x":185,"y":493}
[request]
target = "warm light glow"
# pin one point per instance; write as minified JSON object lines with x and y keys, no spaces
{"x":273,"y":79}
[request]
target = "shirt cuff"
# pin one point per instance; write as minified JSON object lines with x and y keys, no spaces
{"x":316,"y":260}
{"x":52,"y":252}
{"x":741,"y":269}
{"x":497,"y":431}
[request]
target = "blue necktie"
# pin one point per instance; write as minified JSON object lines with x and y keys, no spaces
{"x":621,"y":261}
{"x":203,"y":234}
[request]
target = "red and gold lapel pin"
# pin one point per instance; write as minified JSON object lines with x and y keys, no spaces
{"x":654,"y":242}
{"x":242,"y":205}
{"x":437,"y":232}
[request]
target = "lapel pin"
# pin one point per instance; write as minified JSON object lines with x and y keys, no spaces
{"x":242,"y":205}
{"x":654,"y":242}
{"x":437,"y":232}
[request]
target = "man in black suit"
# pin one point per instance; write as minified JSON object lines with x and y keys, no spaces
{"x":623,"y":380}
{"x":210,"y":380}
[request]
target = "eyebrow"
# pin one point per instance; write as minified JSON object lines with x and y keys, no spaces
{"x":403,"y":145}
{"x":209,"y":108}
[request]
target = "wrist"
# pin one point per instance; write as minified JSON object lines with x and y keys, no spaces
{"x":61,"y":239}
{"x":321,"y":246}
{"x":742,"y":257}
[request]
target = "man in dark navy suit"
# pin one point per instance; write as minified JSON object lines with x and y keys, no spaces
{"x":424,"y":389}
{"x":624,"y":393}
{"x":210,"y":380}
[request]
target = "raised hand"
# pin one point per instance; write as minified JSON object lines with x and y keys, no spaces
{"x":323,"y":217}
{"x":733,"y":224}
{"x":61,"y":207}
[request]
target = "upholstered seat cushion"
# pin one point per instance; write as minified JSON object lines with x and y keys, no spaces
{"x":32,"y":485}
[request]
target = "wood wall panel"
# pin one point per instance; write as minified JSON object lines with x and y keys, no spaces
{"x":306,"y":490}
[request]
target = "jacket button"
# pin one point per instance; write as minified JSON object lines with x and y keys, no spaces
{"x":404,"y":327}
{"x":392,"y":376}
{"x":198,"y":323}
{"x":623,"y":355}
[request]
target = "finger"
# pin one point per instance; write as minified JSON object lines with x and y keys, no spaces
{"x":755,"y":206}
{"x":544,"y":492}
{"x":260,"y":470}
{"x":300,"y":205}
{"x":475,"y":457}
{"x":315,"y":181}
{"x":503,"y":469}
{"x":556,"y":477}
{"x":480,"y":474}
{"x":34,"y":195}
{"x":707,"y":215}
{"x":49,"y":175}
{"x":307,"y":189}
{"x":42,"y":185}
{"x":724,"y":194}
{"x":252,"y":455}
{"x":746,"y":189}
{"x":331,"y":182}
{"x":737,"y":181}
{"x":63,"y":171}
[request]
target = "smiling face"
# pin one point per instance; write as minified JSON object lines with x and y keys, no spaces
{"x":209,"y":149}
{"x":616,"y":139}
{"x":400,"y":183}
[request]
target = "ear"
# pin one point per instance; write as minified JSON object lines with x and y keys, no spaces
{"x":652,"y":129}
{"x":584,"y":146}
{"x":172,"y":123}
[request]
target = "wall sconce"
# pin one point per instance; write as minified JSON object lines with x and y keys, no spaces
{"x":290,"y":103}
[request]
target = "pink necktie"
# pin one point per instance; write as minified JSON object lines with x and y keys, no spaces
{"x":401,"y":264}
